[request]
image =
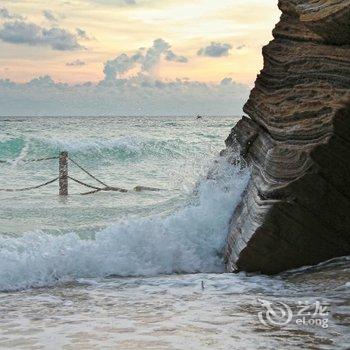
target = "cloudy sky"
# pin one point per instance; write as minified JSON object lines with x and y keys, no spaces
{"x":130,"y":57}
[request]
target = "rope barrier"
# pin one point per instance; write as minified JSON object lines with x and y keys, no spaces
{"x":38,"y":159}
{"x":105,"y":189}
{"x":92,"y":176}
{"x":30,"y":160}
{"x":83,"y":183}
{"x":65,"y":176}
{"x":97,"y":189}
{"x":28,"y":188}
{"x":90,"y":192}
{"x":115,"y":189}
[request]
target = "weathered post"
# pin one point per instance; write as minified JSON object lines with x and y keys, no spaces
{"x":63,"y":174}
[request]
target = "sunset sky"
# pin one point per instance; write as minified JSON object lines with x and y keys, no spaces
{"x":125,"y":47}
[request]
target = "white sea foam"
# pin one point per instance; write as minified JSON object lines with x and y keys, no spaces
{"x":124,"y":142}
{"x":188,"y":240}
{"x":125,"y":145}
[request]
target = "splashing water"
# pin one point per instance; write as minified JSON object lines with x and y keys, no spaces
{"x":140,"y":270}
{"x":186,"y":241}
{"x":184,"y":232}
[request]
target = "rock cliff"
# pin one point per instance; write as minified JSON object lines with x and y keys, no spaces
{"x":296,"y":208}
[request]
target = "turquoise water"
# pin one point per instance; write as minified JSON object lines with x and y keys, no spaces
{"x":167,"y":153}
{"x":140,"y":270}
{"x":181,"y":228}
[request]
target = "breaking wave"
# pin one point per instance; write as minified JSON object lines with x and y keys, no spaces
{"x":120,"y":148}
{"x":188,"y":240}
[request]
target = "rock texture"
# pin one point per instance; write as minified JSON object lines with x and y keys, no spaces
{"x":296,"y":208}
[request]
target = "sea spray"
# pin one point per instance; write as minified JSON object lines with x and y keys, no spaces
{"x":188,"y":240}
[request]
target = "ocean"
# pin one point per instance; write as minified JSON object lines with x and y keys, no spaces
{"x":143,"y":269}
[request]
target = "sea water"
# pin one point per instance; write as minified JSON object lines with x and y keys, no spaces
{"x":141,"y":270}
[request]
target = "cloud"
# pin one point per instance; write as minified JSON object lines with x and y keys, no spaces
{"x":50,"y":16}
{"x":122,"y":64}
{"x":215,"y":49}
{"x":119,"y":93}
{"x":82,"y":34}
{"x":147,"y":59}
{"x":139,"y":95}
{"x":172,"y":57}
{"x":240,"y":47}
{"x":226,"y":81}
{"x":20,"y":32}
{"x":153,"y":54}
{"x":41,"y":82}
{"x":6,"y":14}
{"x":76,"y":63}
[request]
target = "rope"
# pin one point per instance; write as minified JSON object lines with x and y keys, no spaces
{"x":105,"y":189}
{"x":28,"y":188}
{"x":95,"y":189}
{"x":30,"y":160}
{"x":98,"y":189}
{"x":84,"y":184}
{"x":90,"y":192}
{"x":115,"y":189}
{"x":92,"y":176}
{"x":39,"y":159}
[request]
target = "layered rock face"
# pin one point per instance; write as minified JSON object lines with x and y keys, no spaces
{"x":296,"y":208}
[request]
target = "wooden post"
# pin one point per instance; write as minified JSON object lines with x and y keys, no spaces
{"x":63,"y":174}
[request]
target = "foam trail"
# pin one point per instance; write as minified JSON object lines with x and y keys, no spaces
{"x":188,"y":240}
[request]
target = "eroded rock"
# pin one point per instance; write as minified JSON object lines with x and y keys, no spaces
{"x":296,"y":208}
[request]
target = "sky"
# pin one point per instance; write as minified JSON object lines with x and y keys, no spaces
{"x":131,"y":57}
